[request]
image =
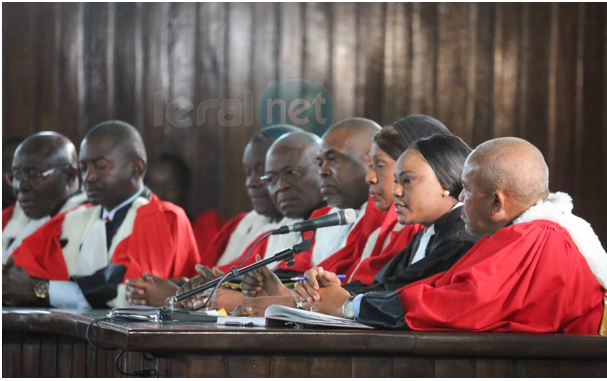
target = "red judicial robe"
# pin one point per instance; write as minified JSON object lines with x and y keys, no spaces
{"x":528,"y":277}
{"x":206,"y":226}
{"x":161,"y":243}
{"x":344,"y":260}
{"x":216,"y":247}
{"x":365,"y":269}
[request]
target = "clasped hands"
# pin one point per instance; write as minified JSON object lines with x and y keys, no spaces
{"x":322,"y":291}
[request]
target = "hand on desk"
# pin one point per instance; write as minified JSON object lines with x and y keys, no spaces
{"x":262,"y":282}
{"x":224,"y":298}
{"x":310,"y":289}
{"x":17,"y":285}
{"x":322,"y":291}
{"x":256,"y":307}
{"x":149,"y":290}
{"x":206,"y":275}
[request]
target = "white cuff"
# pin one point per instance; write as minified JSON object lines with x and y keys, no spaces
{"x":64,"y":294}
{"x":356,"y":304}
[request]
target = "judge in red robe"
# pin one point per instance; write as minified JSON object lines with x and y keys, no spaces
{"x":44,"y":178}
{"x":86,"y":254}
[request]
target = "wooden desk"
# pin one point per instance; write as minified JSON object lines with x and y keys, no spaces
{"x":39,"y":342}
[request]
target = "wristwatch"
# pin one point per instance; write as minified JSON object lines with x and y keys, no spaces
{"x":347,"y":310}
{"x":41,"y":289}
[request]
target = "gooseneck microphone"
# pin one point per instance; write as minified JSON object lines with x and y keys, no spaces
{"x":342,"y":217}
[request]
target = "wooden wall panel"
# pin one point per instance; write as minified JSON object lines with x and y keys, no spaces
{"x":531,"y":70}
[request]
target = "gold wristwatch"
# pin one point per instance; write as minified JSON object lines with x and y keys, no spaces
{"x":41,"y":289}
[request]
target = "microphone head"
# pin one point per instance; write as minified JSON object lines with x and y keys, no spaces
{"x":350,"y":216}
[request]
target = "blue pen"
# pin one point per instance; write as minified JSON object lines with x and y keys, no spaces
{"x":303,"y":278}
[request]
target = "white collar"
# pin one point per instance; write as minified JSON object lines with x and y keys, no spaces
{"x":430,"y":229}
{"x":110,"y":214}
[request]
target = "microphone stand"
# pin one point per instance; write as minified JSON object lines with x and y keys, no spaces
{"x":170,"y":313}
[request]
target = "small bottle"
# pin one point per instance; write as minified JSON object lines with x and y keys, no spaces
{"x":603,"y":329}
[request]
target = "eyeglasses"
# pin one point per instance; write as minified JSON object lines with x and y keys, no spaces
{"x":34,"y":177}
{"x":288,"y":176}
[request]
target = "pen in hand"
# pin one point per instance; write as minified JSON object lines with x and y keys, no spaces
{"x":303,"y":278}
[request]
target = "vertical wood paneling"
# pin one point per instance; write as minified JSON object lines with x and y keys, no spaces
{"x":289,"y":366}
{"x":292,"y":35}
{"x":240,"y":38}
{"x":537,"y":368}
{"x":397,"y":67}
{"x":371,"y":367}
{"x":211,"y":84}
{"x":30,"y":352}
{"x":79,"y":358}
{"x":248,"y":366}
{"x":317,"y":48}
{"x":48,"y":355}
{"x":425,"y":38}
{"x":531,"y":70}
{"x":71,"y":92}
{"x":563,"y":92}
{"x":373,"y":20}
{"x":536,"y":42}
{"x":156,"y":76}
{"x":125,"y":79}
{"x":183,"y":19}
{"x":45,"y":74}
{"x":91,"y":361}
{"x":485,"y":44}
{"x":412,"y":367}
{"x":208,"y":366}
{"x":593,"y":91}
{"x":11,"y":354}
{"x":454,"y":368}
{"x":495,"y":368}
{"x":344,"y":60}
{"x":265,"y":54}
{"x":100,"y":69}
{"x":507,"y":68}
{"x":64,"y":352}
{"x":453,"y":55}
{"x":18,"y":99}
{"x":331,"y":366}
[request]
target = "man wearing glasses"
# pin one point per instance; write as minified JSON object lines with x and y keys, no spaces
{"x":44,"y":180}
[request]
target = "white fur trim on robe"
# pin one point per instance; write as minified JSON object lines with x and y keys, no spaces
{"x":557,"y":208}
{"x":21,"y":226}
{"x":249,"y":228}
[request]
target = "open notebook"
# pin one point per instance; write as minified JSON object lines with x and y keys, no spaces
{"x":276,"y":313}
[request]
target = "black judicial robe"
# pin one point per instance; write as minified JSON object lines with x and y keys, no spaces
{"x":448,"y":244}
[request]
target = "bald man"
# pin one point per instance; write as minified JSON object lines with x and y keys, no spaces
{"x":84,"y":255}
{"x":44,"y":180}
{"x":538,"y":269}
